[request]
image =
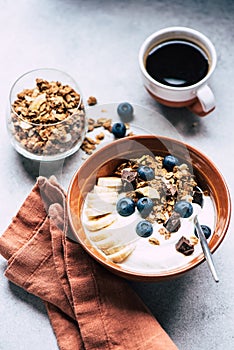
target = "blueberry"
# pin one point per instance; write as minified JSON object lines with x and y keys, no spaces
{"x":169,"y":162}
{"x":125,"y":206}
{"x":184,"y":208}
{"x":206,"y":230}
{"x":125,"y":110}
{"x":146,"y":173}
{"x":119,"y":129}
{"x":144,"y":206}
{"x":144,"y":228}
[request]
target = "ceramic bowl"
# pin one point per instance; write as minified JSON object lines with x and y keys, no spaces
{"x":103,"y":163}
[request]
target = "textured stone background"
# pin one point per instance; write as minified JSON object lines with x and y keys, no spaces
{"x":97,"y":42}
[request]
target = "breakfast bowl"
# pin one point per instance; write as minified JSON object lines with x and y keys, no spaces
{"x":46,"y":116}
{"x":109,"y":199}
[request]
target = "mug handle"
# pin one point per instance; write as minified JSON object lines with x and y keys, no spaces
{"x":205,"y":102}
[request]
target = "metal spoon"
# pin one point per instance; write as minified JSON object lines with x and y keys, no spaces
{"x":204,"y":244}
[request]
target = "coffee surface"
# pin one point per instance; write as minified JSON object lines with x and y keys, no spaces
{"x":177,"y":63}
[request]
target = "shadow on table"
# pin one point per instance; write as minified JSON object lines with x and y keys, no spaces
{"x":186,"y":123}
{"x":48,"y":168}
{"x":166,"y":299}
{"x":30,"y":299}
{"x":39,"y":168}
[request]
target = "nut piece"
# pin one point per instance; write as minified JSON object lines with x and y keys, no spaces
{"x":154,"y":241}
{"x":194,"y":240}
{"x":88,"y":145}
{"x":92,"y":101}
{"x":100,"y":136}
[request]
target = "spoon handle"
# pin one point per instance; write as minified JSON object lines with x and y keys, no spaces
{"x":206,"y":249}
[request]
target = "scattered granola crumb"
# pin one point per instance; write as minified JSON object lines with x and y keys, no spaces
{"x":100,"y":136}
{"x":154,"y":241}
{"x":90,"y":140}
{"x":88,"y":145}
{"x":92,"y":101}
{"x":90,"y":128}
{"x":162,"y":231}
{"x":194,"y":240}
{"x":102,"y":122}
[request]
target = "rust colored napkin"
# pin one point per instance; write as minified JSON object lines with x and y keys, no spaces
{"x":89,"y":307}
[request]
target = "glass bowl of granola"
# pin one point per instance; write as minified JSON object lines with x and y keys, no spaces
{"x":46,"y":121}
{"x":132,"y":205}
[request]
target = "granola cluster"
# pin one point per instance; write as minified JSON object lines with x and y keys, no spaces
{"x":92,"y":101}
{"x":48,"y":119}
{"x":165,"y":189}
{"x":90,"y":143}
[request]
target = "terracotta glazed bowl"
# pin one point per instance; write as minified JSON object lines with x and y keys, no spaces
{"x":105,"y":161}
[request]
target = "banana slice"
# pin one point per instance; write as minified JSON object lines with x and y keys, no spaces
{"x":106,"y":243}
{"x":121,"y":234}
{"x":117,"y":248}
{"x":99,"y":222}
{"x":112,"y":241}
{"x":109,"y":197}
{"x":110,"y":181}
{"x":101,"y":205}
{"x":98,"y":236}
{"x":122,"y":254}
{"x":103,"y":189}
{"x":91,"y":213}
{"x":116,"y":241}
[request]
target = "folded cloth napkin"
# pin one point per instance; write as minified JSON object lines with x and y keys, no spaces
{"x":89,"y":307}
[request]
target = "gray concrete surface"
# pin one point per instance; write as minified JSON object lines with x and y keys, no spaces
{"x":97,"y":42}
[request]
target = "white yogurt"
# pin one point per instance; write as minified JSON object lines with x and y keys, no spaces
{"x":150,"y":258}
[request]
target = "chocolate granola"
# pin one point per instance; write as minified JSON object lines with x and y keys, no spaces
{"x":165,"y":189}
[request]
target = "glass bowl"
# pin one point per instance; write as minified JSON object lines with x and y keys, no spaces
{"x":46,"y":119}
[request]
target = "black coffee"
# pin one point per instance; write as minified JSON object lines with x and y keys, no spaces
{"x":177,"y":63}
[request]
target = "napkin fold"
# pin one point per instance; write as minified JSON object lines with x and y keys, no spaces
{"x":88,"y":306}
